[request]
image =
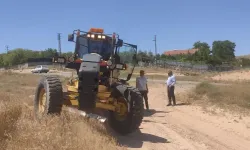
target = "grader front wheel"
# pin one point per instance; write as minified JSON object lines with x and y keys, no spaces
{"x":48,"y":96}
{"x":132,"y":118}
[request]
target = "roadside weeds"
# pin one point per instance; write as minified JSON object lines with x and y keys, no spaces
{"x":19,"y":130}
{"x":231,"y":97}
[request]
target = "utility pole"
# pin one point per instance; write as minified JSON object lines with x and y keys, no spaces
{"x":7,"y":48}
{"x":59,"y":43}
{"x":59,"y":46}
{"x":155,"y":45}
{"x":155,"y":48}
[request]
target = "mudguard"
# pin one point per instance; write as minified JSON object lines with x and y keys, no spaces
{"x":126,"y":91}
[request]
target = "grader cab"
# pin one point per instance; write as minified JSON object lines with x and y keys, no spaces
{"x":104,"y":64}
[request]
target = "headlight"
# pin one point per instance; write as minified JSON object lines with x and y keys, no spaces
{"x":103,"y":37}
{"x":99,"y":36}
{"x":93,"y":36}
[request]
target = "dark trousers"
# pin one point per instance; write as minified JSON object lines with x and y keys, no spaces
{"x":145,"y":96}
{"x":171,"y":95}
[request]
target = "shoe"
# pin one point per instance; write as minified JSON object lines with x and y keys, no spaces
{"x":168,"y":104}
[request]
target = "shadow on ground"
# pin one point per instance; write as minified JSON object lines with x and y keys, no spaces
{"x":136,"y":139}
{"x":153,"y":121}
{"x":182,"y":104}
{"x":151,"y":112}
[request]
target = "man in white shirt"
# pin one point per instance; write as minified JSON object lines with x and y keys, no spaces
{"x":141,"y":84}
{"x":170,"y":87}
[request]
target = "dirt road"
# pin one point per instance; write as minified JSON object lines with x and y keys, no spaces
{"x":187,"y":127}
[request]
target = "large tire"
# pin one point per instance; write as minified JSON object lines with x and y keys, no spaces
{"x":52,"y":101}
{"x":134,"y":117}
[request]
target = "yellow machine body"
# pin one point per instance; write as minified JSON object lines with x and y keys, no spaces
{"x":104,"y":100}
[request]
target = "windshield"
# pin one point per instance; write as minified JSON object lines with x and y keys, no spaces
{"x":126,"y":54}
{"x":101,"y":47}
{"x":81,"y":46}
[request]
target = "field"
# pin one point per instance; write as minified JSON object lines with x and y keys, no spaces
{"x":212,"y":113}
{"x":19,"y":130}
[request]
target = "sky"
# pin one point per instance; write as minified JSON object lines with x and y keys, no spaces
{"x":178,"y":24}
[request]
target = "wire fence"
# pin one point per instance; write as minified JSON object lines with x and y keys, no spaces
{"x":167,"y":64}
{"x":178,"y":65}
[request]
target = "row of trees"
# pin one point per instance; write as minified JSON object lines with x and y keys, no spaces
{"x":20,"y":56}
{"x":221,"y":51}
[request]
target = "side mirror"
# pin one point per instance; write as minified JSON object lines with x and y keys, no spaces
{"x":119,"y":43}
{"x":129,"y":77}
{"x":71,"y":37}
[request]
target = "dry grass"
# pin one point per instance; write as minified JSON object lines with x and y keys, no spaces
{"x":223,"y":95}
{"x":162,"y":74}
{"x":235,"y":76}
{"x":178,"y":78}
{"x":181,"y":75}
{"x":19,"y":130}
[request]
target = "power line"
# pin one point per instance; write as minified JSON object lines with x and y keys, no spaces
{"x":59,"y":43}
{"x":155,"y":49}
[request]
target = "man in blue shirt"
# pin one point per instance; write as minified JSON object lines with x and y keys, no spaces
{"x":170,"y":87}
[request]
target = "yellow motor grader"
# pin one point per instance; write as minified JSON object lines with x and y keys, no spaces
{"x":104,"y":64}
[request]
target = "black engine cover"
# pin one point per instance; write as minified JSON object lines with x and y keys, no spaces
{"x":88,"y":89}
{"x":88,"y":81}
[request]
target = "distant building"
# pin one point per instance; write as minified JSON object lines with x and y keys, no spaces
{"x":179,"y":52}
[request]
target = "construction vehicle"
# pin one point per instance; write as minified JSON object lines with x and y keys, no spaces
{"x":100,"y":63}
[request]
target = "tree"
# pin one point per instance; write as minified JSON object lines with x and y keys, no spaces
{"x":1,"y":60}
{"x":151,"y":57}
{"x":143,"y":56}
{"x":163,"y":57}
{"x":67,"y":54}
{"x":245,"y":62}
{"x":224,"y":50}
{"x":20,"y":56}
{"x":158,"y":56}
{"x":50,"y":52}
{"x":203,"y":53}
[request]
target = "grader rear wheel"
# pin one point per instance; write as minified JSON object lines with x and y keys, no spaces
{"x":129,"y":121}
{"x":48,"y":97}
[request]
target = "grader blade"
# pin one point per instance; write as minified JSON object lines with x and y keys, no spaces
{"x":87,"y":115}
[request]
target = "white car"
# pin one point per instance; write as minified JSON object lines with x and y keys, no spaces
{"x":40,"y":69}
